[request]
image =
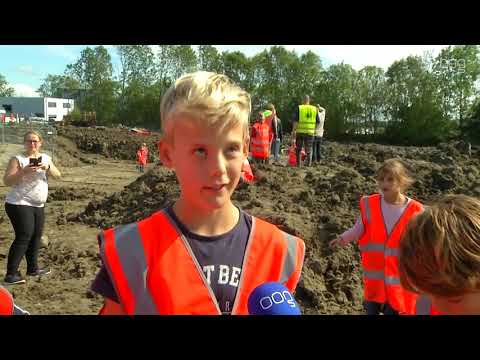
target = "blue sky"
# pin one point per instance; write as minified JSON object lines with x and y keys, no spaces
{"x":24,"y":66}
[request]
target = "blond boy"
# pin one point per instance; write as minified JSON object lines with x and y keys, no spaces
{"x":203,"y":254}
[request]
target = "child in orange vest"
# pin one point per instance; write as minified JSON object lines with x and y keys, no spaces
{"x":191,"y":257}
{"x":292,"y":155}
{"x":440,"y":256}
{"x":141,"y":160}
{"x":260,"y":139}
{"x":378,"y":230}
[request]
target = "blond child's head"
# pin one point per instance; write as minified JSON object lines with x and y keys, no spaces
{"x":205,"y":120}
{"x":209,"y":98}
{"x":393,"y":176}
{"x":440,"y":254}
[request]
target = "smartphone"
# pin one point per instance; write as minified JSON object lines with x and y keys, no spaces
{"x":35,"y":162}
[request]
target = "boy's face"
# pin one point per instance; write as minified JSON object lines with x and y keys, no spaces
{"x":467,"y":304}
{"x":207,"y":162}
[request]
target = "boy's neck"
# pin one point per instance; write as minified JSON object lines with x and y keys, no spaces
{"x":207,"y":223}
{"x":395,"y":199}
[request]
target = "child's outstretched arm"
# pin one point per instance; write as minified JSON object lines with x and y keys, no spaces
{"x":354,"y":233}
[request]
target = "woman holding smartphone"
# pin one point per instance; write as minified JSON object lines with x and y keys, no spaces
{"x":27,"y":174}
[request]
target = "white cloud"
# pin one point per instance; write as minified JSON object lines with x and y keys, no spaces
{"x":24,"y":90}
{"x":64,"y":51}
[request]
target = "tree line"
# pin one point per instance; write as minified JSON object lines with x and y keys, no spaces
{"x":418,"y":100}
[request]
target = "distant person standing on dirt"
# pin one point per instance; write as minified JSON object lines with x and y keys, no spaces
{"x":27,"y":173}
{"x":260,"y":139}
{"x":201,"y":255}
{"x":142,"y":158}
{"x":277,"y":133}
{"x":383,"y":219}
{"x":304,"y":123}
{"x":145,"y":152}
{"x":318,"y":139}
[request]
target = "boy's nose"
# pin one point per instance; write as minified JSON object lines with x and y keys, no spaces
{"x":218,"y":165}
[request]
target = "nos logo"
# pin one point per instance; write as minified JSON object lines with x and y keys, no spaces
{"x":277,"y":297}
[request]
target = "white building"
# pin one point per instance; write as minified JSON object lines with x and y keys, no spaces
{"x":50,"y":109}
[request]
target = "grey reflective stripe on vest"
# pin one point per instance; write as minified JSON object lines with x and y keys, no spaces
{"x":367,"y":209}
{"x":423,"y":305}
{"x":391,"y":252}
{"x":372,"y":247}
{"x":373,"y":275}
{"x":392,"y":280}
{"x":290,"y":258}
{"x":380,"y":275}
{"x":134,"y":265}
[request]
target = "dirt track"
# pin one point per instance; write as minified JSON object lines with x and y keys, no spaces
{"x":314,"y":203}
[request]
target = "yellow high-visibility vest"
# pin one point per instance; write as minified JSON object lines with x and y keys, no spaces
{"x":307,"y":119}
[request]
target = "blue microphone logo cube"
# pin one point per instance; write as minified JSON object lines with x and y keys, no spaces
{"x":272,"y":299}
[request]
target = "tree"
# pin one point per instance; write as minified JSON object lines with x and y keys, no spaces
{"x":413,"y":107}
{"x":341,"y":100}
{"x":5,"y":89}
{"x":58,"y":86}
{"x":93,"y":71}
{"x":136,"y":76}
{"x":371,"y":91}
{"x":209,"y":59}
{"x":456,"y":70}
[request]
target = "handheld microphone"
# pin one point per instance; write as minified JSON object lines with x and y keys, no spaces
{"x":272,"y":298}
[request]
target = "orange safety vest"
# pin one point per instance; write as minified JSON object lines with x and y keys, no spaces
{"x":379,"y":252}
{"x":154,"y":271}
{"x":292,"y":156}
{"x":261,"y":141}
{"x":6,"y":302}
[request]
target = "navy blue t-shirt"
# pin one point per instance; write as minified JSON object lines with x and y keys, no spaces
{"x":220,"y":258}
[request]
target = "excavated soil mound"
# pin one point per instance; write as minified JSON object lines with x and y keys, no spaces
{"x":113,"y":143}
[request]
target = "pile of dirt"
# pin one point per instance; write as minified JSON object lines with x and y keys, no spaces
{"x":316,"y":204}
{"x":110,"y":142}
{"x":67,"y":154}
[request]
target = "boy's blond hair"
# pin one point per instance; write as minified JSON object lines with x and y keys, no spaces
{"x":207,"y":97}
{"x":440,"y":250}
{"x":397,"y":169}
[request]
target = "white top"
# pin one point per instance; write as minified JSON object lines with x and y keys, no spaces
{"x":391,"y":213}
{"x":319,"y":127}
{"x":32,"y":190}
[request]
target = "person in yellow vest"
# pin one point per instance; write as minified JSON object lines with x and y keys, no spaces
{"x":304,"y":124}
{"x":383,"y":218}
{"x":202,"y":254}
{"x":440,"y":256}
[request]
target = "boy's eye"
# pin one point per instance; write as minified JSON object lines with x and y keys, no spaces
{"x":200,"y":151}
{"x":233,"y":149}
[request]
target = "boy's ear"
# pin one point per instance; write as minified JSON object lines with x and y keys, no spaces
{"x":246,"y":146}
{"x":165,"y":150}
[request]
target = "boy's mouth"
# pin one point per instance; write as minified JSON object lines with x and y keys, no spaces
{"x":215,"y":187}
